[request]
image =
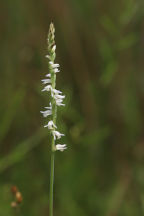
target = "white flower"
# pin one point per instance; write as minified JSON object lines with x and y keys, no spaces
{"x":47,"y":88}
{"x":61,"y":147}
{"x":59,"y":102}
{"x":48,"y":75}
{"x":57,"y":96}
{"x":56,"y":70}
{"x":57,"y":135}
{"x":54,"y":48}
{"x":55,"y":91}
{"x":51,"y":125}
{"x":46,"y":81}
{"x":53,"y":65}
{"x":46,"y":113}
{"x":47,"y":56}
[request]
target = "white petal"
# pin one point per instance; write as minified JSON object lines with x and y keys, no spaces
{"x":56,"y":70}
{"x":49,"y":108}
{"x":47,"y":88}
{"x":54,"y":48}
{"x":55,"y":91}
{"x":59,"y":96}
{"x":46,"y":113}
{"x":60,"y":104}
{"x":57,"y":135}
{"x":61,"y":147}
{"x":59,"y":100}
{"x":48,"y":75}
{"x":53,"y":65}
{"x":46,"y":81}
{"x":47,"y":56}
{"x":51,"y":125}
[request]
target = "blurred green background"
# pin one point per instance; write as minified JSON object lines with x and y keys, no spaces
{"x":100,"y":47}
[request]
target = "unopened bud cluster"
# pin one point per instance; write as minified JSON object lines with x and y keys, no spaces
{"x":18,"y":197}
{"x":56,"y":97}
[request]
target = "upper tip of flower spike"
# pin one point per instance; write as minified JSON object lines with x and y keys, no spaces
{"x":52,"y":28}
{"x":51,"y":24}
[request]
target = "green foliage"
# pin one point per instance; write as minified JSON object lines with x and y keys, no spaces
{"x":99,"y":44}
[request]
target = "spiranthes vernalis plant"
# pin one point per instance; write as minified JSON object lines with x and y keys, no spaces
{"x":55,"y":100}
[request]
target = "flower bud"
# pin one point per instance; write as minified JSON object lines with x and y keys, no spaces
{"x":19,"y":197}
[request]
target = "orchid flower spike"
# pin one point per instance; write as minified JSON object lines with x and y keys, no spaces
{"x":56,"y":97}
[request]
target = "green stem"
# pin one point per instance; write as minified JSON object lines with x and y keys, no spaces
{"x":51,"y":185}
{"x":52,"y":169}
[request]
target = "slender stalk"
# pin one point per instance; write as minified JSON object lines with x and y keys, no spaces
{"x":56,"y":99}
{"x":51,"y":185}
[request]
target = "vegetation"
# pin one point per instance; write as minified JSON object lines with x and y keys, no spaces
{"x":100,"y":50}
